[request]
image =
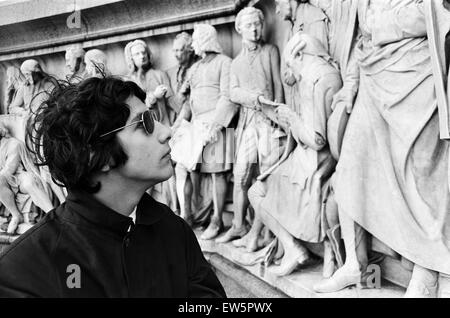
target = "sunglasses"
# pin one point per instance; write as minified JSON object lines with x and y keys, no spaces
{"x":148,"y":119}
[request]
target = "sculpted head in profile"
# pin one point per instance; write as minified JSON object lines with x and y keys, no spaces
{"x":75,"y":59}
{"x":205,"y":40}
{"x":95,"y":60}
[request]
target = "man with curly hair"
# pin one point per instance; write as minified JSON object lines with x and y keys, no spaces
{"x":109,"y":239}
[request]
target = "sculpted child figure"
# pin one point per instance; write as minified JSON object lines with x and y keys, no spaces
{"x":254,"y":79}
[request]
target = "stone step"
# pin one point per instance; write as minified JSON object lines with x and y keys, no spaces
{"x":298,"y":284}
{"x":238,"y":282}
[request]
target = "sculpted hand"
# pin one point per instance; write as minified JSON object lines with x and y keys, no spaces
{"x":289,"y":78}
{"x":343,"y":96}
{"x":284,"y":113}
{"x":160,"y":91}
{"x":213,"y":134}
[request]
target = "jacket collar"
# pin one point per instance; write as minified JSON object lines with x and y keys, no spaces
{"x":85,"y":206}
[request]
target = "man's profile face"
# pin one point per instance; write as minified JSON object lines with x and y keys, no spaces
{"x":250,"y":27}
{"x":180,"y":51}
{"x":139,"y":55}
{"x":284,"y":9}
{"x":149,"y":160}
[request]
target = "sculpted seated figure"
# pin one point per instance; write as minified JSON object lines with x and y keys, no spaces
{"x":20,"y":183}
{"x":31,"y":94}
{"x":304,"y":174}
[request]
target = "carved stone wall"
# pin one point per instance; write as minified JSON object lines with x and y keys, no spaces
{"x":39,"y":29}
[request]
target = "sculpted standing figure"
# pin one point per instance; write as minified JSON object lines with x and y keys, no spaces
{"x":191,"y":191}
{"x":75,"y":63}
{"x":305,"y":18}
{"x":14,"y":79}
{"x":209,"y":81}
{"x":305,"y":172}
{"x":160,"y":98}
{"x":254,"y":79}
{"x":154,"y":82}
{"x":392,"y":144}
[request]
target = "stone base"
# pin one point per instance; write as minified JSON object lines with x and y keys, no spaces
{"x":299,"y":284}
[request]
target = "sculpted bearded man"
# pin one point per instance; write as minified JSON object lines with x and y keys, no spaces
{"x":304,"y":174}
{"x":254,"y":79}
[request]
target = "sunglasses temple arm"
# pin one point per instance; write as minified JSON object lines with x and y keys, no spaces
{"x":123,"y":127}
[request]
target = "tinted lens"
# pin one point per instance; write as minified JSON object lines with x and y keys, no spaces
{"x":148,"y":122}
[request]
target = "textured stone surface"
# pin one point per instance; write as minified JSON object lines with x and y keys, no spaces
{"x":299,"y":284}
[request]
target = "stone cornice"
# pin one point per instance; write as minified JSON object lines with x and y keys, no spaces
{"x":130,"y":19}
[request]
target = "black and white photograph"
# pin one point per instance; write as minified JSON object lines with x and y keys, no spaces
{"x":237,"y":150}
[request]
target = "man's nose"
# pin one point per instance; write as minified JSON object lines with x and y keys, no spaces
{"x":164,"y":133}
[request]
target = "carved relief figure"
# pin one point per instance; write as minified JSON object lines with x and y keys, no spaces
{"x":254,"y":79}
{"x":391,"y":178}
{"x":154,"y":82}
{"x":194,"y":193}
{"x":305,"y":172}
{"x":30,"y":95}
{"x":96,"y":63}
{"x":75,"y":63}
{"x":208,"y":81}
{"x":20,"y":183}
{"x":14,"y":79}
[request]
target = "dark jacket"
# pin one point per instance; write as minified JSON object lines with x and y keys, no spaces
{"x":158,"y":257}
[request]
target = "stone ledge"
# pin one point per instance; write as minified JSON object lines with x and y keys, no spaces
{"x":298,"y":284}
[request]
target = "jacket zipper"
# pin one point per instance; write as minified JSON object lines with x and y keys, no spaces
{"x":125,"y":243}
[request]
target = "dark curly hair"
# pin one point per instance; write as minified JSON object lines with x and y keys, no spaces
{"x":64,"y":133}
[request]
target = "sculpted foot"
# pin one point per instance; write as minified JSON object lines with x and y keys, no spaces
{"x":342,"y":278}
{"x":293,"y":256}
{"x":13,"y":224}
{"x":212,"y":230}
{"x":232,"y":233}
